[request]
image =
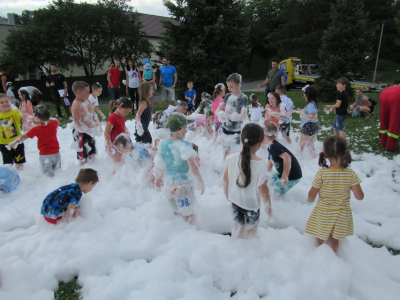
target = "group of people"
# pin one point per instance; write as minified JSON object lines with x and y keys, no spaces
{"x":174,"y":164}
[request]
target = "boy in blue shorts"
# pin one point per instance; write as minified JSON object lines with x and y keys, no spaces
{"x":63,"y":202}
{"x":177,"y":157}
{"x":190,"y":96}
{"x":289,"y":171}
{"x":340,"y":107}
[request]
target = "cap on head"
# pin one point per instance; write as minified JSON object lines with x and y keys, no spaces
{"x":147,"y":66}
{"x":146,"y":61}
{"x":175,"y":122}
{"x":8,"y":84}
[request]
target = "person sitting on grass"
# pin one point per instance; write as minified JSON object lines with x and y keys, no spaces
{"x":63,"y":202}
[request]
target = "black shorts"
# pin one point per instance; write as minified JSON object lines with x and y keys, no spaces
{"x":246,"y":217}
{"x":310,"y":129}
{"x":87,"y":144}
{"x":285,"y":129}
{"x":190,"y":107}
{"x":238,"y":133}
{"x":12,"y":156}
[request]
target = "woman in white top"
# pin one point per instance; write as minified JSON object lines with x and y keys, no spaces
{"x":133,"y":80}
{"x":246,"y":181}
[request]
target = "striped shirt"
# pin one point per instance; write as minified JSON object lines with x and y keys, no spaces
{"x":332,"y":214}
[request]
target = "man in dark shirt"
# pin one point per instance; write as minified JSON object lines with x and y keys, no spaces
{"x":3,"y":80}
{"x":273,"y":79}
{"x":340,"y":107}
{"x":59,"y":90}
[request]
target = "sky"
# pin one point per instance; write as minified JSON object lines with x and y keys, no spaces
{"x":154,"y":7}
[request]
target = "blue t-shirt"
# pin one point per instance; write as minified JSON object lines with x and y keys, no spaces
{"x":311,"y":108}
{"x":168,"y":75}
{"x":56,"y":202}
{"x":141,"y":152}
{"x":191,"y":94}
{"x":172,"y":152}
{"x":276,"y":149}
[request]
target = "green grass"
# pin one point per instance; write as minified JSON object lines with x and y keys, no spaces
{"x":361,"y":140}
{"x":68,"y":291}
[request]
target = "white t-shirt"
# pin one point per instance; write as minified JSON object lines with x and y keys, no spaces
{"x":256,"y":113}
{"x":289,"y":106}
{"x":133,"y":78}
{"x":160,"y":134}
{"x":93,"y":100}
{"x":248,"y":198}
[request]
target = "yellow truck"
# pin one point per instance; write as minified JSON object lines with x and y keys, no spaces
{"x":301,"y":74}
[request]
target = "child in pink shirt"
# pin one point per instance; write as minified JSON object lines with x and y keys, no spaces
{"x":272,"y":110}
{"x":26,"y":107}
{"x":218,"y":97}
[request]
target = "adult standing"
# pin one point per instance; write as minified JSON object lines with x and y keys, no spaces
{"x":168,"y":80}
{"x":3,"y":80}
{"x":59,"y":90}
{"x":389,"y":130}
{"x":113,"y":76}
{"x":133,"y":80}
{"x":274,"y":78}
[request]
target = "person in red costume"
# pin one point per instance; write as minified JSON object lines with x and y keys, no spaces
{"x":389,"y":129}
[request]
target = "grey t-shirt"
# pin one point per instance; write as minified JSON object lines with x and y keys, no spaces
{"x":274,"y":79}
{"x":234,"y":104}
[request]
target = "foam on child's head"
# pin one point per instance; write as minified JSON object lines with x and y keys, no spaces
{"x":205,"y":95}
{"x":180,"y":103}
{"x":175,"y":122}
{"x":253,"y":97}
{"x":124,"y":140}
{"x":221,"y":86}
{"x":42,"y":112}
{"x":270,"y":128}
{"x":235,"y":78}
{"x":159,"y":119}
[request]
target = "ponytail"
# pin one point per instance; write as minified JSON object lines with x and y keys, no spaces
{"x":218,"y":89}
{"x":252,"y":134}
{"x":322,"y":160}
{"x":123,"y":102}
{"x":335,"y":148}
{"x":346,"y":160}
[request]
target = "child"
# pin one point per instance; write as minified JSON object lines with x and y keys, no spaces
{"x":246,"y":183}
{"x":10,"y":126}
{"x":340,"y":107}
{"x":143,"y":115}
{"x":26,"y":107}
{"x":177,"y":157}
{"x":10,"y":93}
{"x":116,"y":125}
{"x":190,"y":96}
{"x":331,"y":219}
{"x":148,"y":74}
{"x":205,"y":104}
{"x":218,"y":97}
{"x":159,"y":132}
{"x":181,"y":107}
{"x":235,"y":105}
{"x":284,"y":128}
{"x":46,"y":132}
{"x":197,"y":122}
{"x":309,"y":120}
{"x":272,"y":110}
{"x":86,"y":123}
{"x":255,"y":109}
{"x":124,"y":145}
{"x":63,"y":202}
{"x":97,"y":89}
{"x":289,"y":171}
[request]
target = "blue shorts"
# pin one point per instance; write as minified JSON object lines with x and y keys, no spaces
{"x":338,"y":123}
{"x":279,"y":188}
{"x":114,"y":93}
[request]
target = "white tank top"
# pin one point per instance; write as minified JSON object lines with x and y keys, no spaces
{"x":133,"y":78}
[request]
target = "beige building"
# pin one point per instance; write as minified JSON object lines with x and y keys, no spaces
{"x":151,"y":26}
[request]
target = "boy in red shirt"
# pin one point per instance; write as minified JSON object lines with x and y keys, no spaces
{"x":48,"y":146}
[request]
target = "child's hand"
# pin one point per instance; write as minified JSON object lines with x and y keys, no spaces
{"x":159,"y":183}
{"x":310,"y":200}
{"x":110,"y":148}
{"x":102,"y":116}
{"x":284,"y":180}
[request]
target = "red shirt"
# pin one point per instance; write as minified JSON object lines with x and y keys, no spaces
{"x":115,"y":75}
{"x":47,"y":137}
{"x":118,"y":126}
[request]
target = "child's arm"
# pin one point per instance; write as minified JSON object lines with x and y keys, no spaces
{"x":238,"y":117}
{"x":226,"y":183}
{"x":308,"y":117}
{"x":195,"y":170}
{"x":207,"y":126}
{"x":107,"y":137}
{"x":269,"y":165}
{"x":70,"y":212}
{"x":358,"y":192}
{"x":312,"y":194}
{"x":264,"y":192}
{"x":287,"y":164}
{"x":127,"y":131}
{"x":141,"y":109}
{"x":337,"y":105}
{"x":16,"y":142}
{"x":197,"y":110}
{"x":97,"y":109}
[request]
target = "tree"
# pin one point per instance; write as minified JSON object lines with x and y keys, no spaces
{"x":345,"y":45}
{"x":209,"y":42}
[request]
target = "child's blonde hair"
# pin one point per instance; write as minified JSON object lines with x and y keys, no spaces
{"x":270,"y":128}
{"x":144,"y":91}
{"x":79,"y":86}
{"x":96,"y":86}
{"x":335,"y":147}
{"x":235,"y":78}
{"x":2,"y":95}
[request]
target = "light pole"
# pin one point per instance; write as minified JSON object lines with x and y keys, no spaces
{"x":377,"y":55}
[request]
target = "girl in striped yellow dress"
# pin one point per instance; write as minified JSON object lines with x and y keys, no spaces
{"x":332,"y":219}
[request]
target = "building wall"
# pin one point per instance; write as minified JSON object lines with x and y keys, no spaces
{"x":4,"y":29}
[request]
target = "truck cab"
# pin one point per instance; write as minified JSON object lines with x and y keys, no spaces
{"x":289,"y":65}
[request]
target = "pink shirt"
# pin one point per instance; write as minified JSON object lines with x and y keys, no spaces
{"x":271,"y":118}
{"x":27,"y":105}
{"x":215,"y":105}
{"x":201,"y":120}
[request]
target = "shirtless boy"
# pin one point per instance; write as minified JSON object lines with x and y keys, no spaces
{"x":86,"y":123}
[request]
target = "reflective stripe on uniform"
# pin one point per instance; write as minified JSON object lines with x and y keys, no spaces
{"x":383,"y":131}
{"x":393,"y":135}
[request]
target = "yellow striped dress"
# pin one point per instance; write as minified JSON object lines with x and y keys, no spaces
{"x":332,"y":214}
